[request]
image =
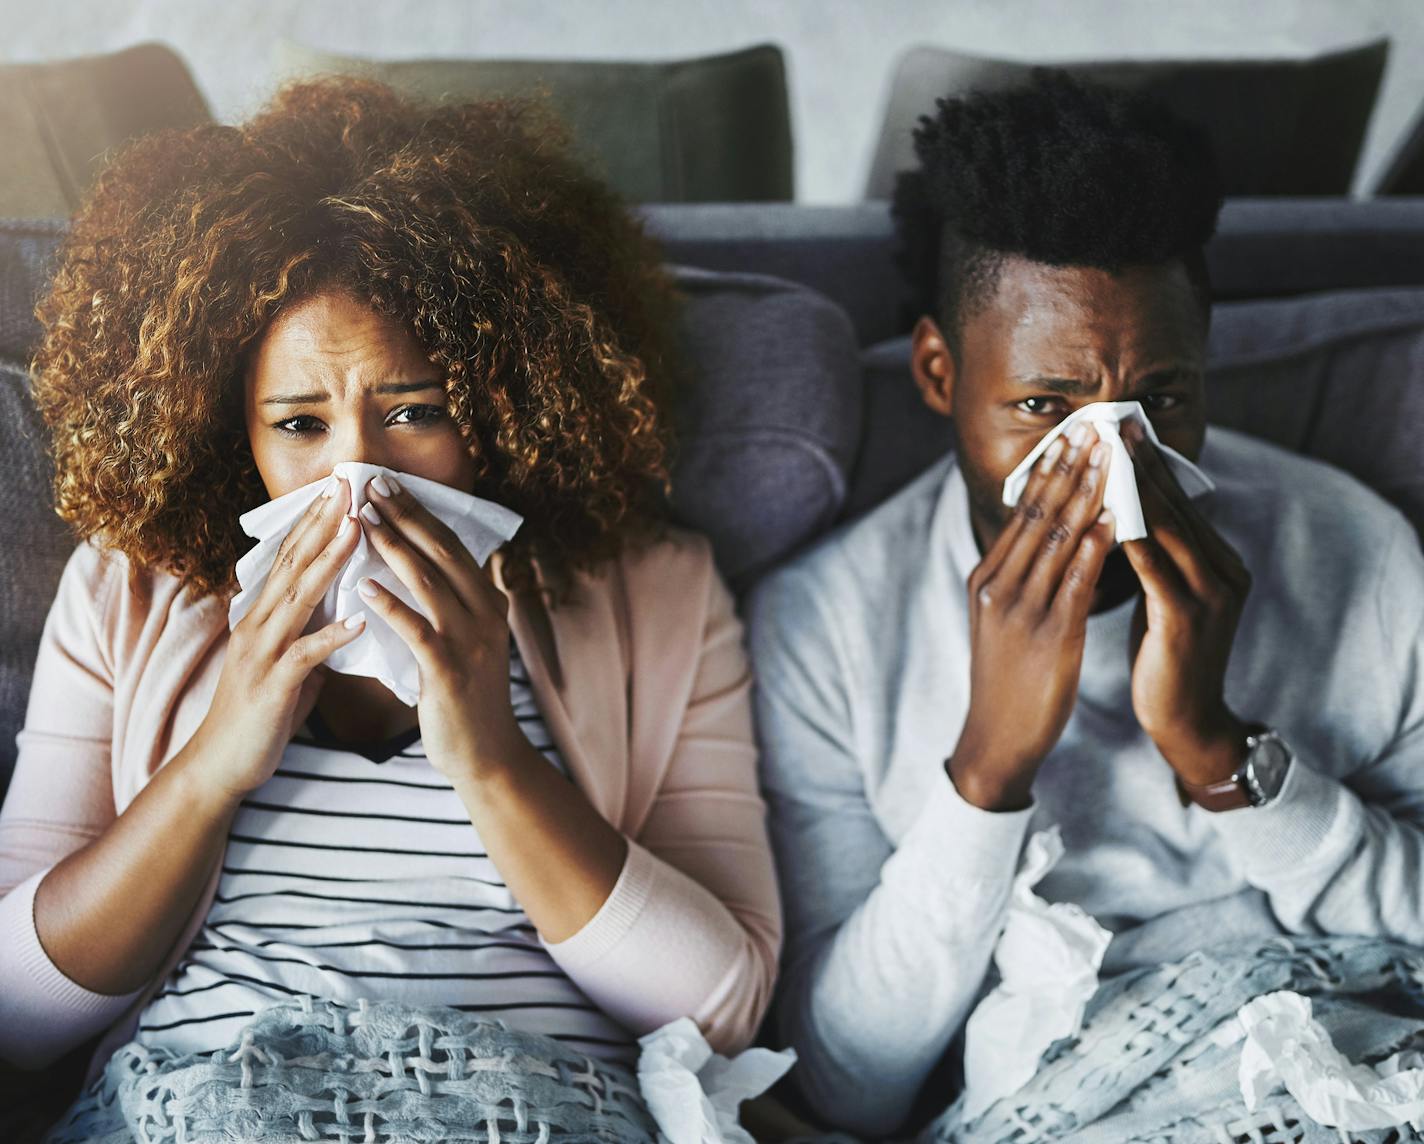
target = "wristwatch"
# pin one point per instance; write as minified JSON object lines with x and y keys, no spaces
{"x":1256,"y":782}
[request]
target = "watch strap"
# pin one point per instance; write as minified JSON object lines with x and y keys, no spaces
{"x":1229,"y":794}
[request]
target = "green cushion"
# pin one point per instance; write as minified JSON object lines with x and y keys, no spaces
{"x":711,"y":129}
{"x":59,"y":121}
{"x":1280,"y":126}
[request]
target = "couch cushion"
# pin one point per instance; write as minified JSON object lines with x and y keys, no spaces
{"x":32,"y":555}
{"x":60,"y":119}
{"x":709,"y":129}
{"x":770,"y":422}
{"x":27,"y":250}
{"x":1280,"y":126}
{"x":1338,"y":376}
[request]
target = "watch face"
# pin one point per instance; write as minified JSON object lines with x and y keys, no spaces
{"x":1266,"y":768}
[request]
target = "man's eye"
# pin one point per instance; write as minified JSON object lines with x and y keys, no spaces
{"x":1039,"y":405}
{"x":410,"y":414}
{"x":1161,"y":402}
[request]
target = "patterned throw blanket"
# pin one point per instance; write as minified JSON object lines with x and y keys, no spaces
{"x":381,"y":1073}
{"x":1158,"y":1057}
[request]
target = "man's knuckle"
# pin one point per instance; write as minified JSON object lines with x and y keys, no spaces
{"x":1031,"y":509}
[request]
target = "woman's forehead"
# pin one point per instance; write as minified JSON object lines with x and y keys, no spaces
{"x":335,"y":341}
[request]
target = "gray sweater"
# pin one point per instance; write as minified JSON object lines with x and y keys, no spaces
{"x":895,"y":888}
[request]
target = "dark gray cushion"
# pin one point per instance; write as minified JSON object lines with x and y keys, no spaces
{"x":60,"y":119}
{"x":27,"y":250}
{"x":709,"y":129}
{"x":1280,"y":126}
{"x":1337,"y":376}
{"x":1263,"y":248}
{"x":770,"y":423}
{"x":32,"y":554}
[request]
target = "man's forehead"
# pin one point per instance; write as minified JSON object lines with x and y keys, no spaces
{"x":1083,"y":312}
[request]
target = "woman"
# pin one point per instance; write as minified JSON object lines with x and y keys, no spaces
{"x":204,"y":823}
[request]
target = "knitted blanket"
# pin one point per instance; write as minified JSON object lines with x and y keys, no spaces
{"x":1158,"y":1056}
{"x":380,"y":1073}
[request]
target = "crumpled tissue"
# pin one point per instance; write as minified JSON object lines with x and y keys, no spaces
{"x":1048,"y":959}
{"x":378,"y":651}
{"x":1286,"y":1046}
{"x":1120,"y":494}
{"x":694,"y":1093}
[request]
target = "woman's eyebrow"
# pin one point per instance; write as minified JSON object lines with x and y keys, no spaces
{"x":318,"y":398}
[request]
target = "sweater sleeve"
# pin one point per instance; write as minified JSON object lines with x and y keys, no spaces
{"x":60,"y":798}
{"x":693,"y":924}
{"x":1346,"y":855}
{"x":887,"y":947}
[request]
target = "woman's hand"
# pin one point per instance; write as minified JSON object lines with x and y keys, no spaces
{"x":269,"y":683}
{"x":466,"y":721}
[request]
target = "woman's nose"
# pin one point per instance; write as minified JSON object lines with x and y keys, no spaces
{"x":355,"y":443}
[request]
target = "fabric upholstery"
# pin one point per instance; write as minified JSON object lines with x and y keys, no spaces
{"x":1264,"y":247}
{"x":60,"y":119}
{"x":1338,"y":376}
{"x":1280,"y":126}
{"x":710,"y":129}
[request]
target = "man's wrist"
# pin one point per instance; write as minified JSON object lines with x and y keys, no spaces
{"x":988,"y":790}
{"x":1210,"y":755}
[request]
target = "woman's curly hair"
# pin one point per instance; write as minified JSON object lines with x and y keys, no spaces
{"x":522,"y":277}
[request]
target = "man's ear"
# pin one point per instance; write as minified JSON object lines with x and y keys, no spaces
{"x":933,"y":367}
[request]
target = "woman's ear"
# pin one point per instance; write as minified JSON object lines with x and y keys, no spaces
{"x":933,"y":366}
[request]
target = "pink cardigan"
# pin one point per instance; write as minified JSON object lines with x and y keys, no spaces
{"x":644,"y":685}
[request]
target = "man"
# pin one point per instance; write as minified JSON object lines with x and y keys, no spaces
{"x":1225,"y":719}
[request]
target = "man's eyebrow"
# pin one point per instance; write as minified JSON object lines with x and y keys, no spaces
{"x":318,"y":398}
{"x":1067,"y":386}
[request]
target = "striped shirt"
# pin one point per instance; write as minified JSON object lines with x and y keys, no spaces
{"x":356,"y":872}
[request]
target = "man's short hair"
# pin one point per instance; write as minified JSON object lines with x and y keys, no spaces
{"x":1061,"y":172}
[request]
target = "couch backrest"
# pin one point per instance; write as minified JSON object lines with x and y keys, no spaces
{"x":1263,"y":248}
{"x":1279,"y":126}
{"x":703,"y":129}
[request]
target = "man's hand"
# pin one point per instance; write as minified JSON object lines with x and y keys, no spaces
{"x":1029,"y":600}
{"x":1194,"y":588}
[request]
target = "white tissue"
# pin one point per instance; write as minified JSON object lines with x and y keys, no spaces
{"x":693,"y":1093}
{"x":1120,"y":495}
{"x":1048,"y":958}
{"x":1286,"y":1046}
{"x":378,"y":651}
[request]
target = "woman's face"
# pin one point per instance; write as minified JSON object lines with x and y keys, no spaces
{"x":332,"y":380}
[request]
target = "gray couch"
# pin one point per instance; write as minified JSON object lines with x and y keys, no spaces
{"x":804,"y":413}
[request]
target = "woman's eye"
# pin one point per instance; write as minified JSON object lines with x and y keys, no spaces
{"x":1161,"y":402}
{"x":411,"y":414}
{"x":298,"y":426}
{"x":1038,"y":405}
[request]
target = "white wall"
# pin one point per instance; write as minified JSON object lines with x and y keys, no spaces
{"x":840,"y":53}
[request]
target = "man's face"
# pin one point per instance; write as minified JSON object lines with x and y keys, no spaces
{"x":1052,"y":339}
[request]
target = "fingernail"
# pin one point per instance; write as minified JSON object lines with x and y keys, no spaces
{"x":1105,"y":517}
{"x":328,"y":490}
{"x":394,"y":485}
{"x":369,"y":514}
{"x":367,"y":588}
{"x":1078,"y":434}
{"x":345,"y":527}
{"x":1097,"y":456}
{"x":379,"y":484}
{"x":356,"y":620}
{"x":1051,"y":455}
